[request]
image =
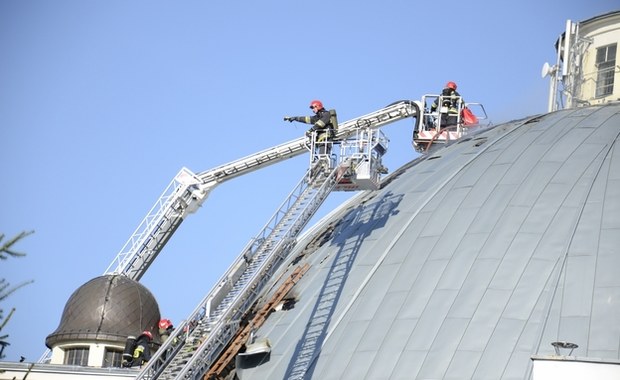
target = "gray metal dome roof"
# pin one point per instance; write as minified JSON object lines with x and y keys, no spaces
{"x":109,"y":308}
{"x":467,"y":263}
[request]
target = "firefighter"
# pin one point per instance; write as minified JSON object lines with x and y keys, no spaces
{"x":137,"y":350}
{"x":322,"y":124}
{"x":452,"y":102}
{"x":165,"y":329}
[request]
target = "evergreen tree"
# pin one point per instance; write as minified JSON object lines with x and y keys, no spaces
{"x":6,"y":251}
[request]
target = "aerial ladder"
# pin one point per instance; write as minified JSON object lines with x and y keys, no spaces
{"x":204,"y":335}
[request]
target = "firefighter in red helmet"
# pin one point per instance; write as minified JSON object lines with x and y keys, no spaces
{"x":451,"y":102}
{"x":138,"y":350}
{"x":322,"y":122}
{"x":165,"y":329}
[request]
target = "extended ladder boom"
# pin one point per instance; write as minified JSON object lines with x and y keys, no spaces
{"x":188,"y":191}
{"x":392,"y":113}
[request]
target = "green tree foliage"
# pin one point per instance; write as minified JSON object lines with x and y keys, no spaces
{"x":6,"y":251}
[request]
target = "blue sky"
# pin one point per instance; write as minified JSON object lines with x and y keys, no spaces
{"x":103,"y":102}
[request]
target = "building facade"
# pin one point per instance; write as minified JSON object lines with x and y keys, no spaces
{"x":586,"y":71}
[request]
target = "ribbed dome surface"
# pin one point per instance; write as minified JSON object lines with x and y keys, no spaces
{"x":465,"y":263}
{"x":109,"y":308}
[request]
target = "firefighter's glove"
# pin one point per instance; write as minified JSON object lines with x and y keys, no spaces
{"x":290,"y":119}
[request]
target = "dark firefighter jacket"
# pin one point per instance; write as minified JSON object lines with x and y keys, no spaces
{"x":321,"y":123}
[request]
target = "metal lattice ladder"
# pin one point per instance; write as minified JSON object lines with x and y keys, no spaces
{"x":181,"y":196}
{"x":200,"y":339}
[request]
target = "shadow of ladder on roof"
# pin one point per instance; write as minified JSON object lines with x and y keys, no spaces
{"x":315,"y":334}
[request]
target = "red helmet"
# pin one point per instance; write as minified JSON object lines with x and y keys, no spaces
{"x":147,"y":334}
{"x":451,"y":85}
{"x":164,"y":324}
{"x":316,"y":103}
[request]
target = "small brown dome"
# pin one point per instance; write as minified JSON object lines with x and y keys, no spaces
{"x":109,"y":308}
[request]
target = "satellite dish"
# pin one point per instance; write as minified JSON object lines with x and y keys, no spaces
{"x":547,"y":70}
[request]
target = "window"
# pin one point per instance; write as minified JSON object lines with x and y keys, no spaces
{"x":112,"y":357}
{"x":606,"y":67}
{"x":76,"y":356}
